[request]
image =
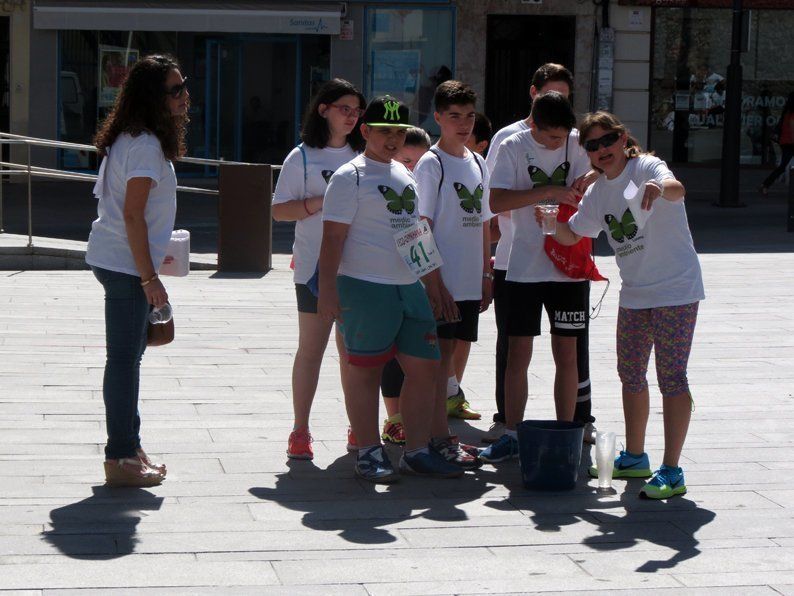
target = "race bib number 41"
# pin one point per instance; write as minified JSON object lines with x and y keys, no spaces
{"x":418,"y":248}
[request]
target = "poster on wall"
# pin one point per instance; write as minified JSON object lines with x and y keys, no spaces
{"x":114,"y":63}
{"x":396,"y":72}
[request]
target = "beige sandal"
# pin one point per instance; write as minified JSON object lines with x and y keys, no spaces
{"x":131,"y":472}
{"x":158,"y":467}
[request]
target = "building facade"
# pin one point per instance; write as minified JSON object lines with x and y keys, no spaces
{"x":253,"y":65}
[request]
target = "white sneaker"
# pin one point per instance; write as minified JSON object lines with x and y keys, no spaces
{"x":494,"y":433}
{"x":589,"y":433}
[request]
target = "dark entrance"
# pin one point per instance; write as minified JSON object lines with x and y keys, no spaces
{"x":517,"y":45}
{"x":5,"y":87}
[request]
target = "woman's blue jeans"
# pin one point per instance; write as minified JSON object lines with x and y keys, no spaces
{"x":126,"y":320}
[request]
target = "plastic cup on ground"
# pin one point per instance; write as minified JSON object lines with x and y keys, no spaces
{"x":549,"y":222}
{"x":605,"y":458}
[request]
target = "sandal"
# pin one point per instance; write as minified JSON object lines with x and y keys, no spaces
{"x":131,"y":472}
{"x":156,"y":466}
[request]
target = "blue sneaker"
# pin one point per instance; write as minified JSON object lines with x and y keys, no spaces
{"x":666,"y":482}
{"x":374,"y":466}
{"x":506,"y":447}
{"x":628,"y":466}
{"x":430,"y":464}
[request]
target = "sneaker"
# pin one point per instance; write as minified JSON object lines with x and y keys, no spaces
{"x":458,"y":407}
{"x":430,"y":464}
{"x":352,"y":444}
{"x":503,"y":449}
{"x":451,"y":450}
{"x":393,"y":431}
{"x":300,"y":444}
{"x":374,"y":466}
{"x":628,"y":466}
{"x":470,"y":449}
{"x":666,"y":482}
{"x":494,"y":433}
{"x":589,"y":433}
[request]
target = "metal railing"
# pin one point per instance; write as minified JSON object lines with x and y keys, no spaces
{"x":10,"y":168}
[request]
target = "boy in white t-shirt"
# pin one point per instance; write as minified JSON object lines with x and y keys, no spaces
{"x":531,"y":167}
{"x":380,"y":306}
{"x":452,"y":182}
{"x":548,"y":77}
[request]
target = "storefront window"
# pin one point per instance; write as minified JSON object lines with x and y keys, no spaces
{"x":690,"y":63}
{"x":246,"y":91}
{"x":409,"y":52}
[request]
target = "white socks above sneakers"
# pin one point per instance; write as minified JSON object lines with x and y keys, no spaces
{"x":453,"y":386}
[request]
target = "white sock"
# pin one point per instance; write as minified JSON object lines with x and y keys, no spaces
{"x":363,"y":450}
{"x":452,"y":386}
{"x":511,"y":433}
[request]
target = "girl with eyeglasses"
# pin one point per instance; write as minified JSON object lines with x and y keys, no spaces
{"x":330,"y":138}
{"x":660,"y":292}
{"x":136,"y":188}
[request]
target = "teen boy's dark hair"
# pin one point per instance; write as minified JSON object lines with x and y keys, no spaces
{"x":552,"y":110}
{"x":417,"y":137}
{"x":453,"y":93}
{"x":314,"y":131}
{"x":483,"y":131}
{"x":552,"y":72}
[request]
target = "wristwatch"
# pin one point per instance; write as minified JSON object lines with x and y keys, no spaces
{"x":488,"y":275}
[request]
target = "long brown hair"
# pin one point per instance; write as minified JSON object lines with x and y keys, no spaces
{"x":141,"y":107}
{"x":610,"y":123}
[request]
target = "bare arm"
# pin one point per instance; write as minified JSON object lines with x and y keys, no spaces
{"x":507,"y":200}
{"x":138,"y":237}
{"x":487,"y":276}
{"x":297,"y":209}
{"x":670,"y":189}
{"x":441,"y":301}
{"x":565,"y":235}
{"x":334,"y":236}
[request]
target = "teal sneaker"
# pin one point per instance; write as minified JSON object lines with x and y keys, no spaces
{"x":666,"y":482}
{"x":628,"y":466}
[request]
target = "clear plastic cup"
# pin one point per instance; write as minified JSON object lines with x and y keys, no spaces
{"x":605,"y":458}
{"x":549,"y":222}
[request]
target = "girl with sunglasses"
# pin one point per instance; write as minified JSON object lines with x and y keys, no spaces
{"x":136,"y":188}
{"x":330,"y":138}
{"x":659,"y":296}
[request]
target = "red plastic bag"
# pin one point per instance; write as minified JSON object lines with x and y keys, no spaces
{"x":575,"y":261}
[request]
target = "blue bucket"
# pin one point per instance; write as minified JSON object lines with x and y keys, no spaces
{"x":550,"y":452}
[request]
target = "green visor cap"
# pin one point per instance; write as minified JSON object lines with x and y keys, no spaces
{"x":386,"y":111}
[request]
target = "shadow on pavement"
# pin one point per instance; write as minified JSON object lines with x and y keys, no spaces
{"x":103,"y":526}
{"x":364,"y":517}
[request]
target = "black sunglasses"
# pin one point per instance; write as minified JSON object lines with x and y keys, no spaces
{"x":177,"y":91}
{"x":607,"y":140}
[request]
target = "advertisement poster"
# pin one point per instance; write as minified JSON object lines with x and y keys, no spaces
{"x":112,"y":71}
{"x":396,"y":72}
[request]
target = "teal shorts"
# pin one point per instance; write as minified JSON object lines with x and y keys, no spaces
{"x":380,"y":320}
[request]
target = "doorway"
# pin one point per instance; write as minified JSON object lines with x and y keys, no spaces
{"x":516,"y":47}
{"x":5,"y":81}
{"x":256,"y":89}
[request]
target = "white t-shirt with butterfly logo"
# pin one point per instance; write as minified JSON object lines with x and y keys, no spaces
{"x":377,"y":200}
{"x":658,"y":264}
{"x":522,"y":164}
{"x":452,"y":193}
{"x":297,"y":181}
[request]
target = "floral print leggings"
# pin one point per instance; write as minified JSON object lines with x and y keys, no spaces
{"x":667,"y":329}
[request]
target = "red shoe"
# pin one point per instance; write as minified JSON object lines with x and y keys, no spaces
{"x":451,"y":450}
{"x":470,"y":449}
{"x":300,"y":444}
{"x":352,"y":444}
{"x":393,"y":431}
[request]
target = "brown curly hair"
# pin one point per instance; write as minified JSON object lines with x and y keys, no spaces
{"x":141,"y":107}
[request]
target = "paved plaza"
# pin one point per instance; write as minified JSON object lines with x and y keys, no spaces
{"x":234,"y":516}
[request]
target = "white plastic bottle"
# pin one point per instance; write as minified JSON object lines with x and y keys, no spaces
{"x":162,"y":315}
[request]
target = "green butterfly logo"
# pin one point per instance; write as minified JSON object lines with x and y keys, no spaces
{"x":326,"y":174}
{"x":621,"y":229}
{"x":469,"y":202}
{"x":557,"y":178}
{"x":399,"y":203}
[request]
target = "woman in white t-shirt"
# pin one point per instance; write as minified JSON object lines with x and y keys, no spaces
{"x":660,"y":292}
{"x":136,"y":189}
{"x":330,"y":139}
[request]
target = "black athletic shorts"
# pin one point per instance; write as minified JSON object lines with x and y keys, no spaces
{"x":307,"y":302}
{"x":466,"y":328}
{"x":565,"y":304}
